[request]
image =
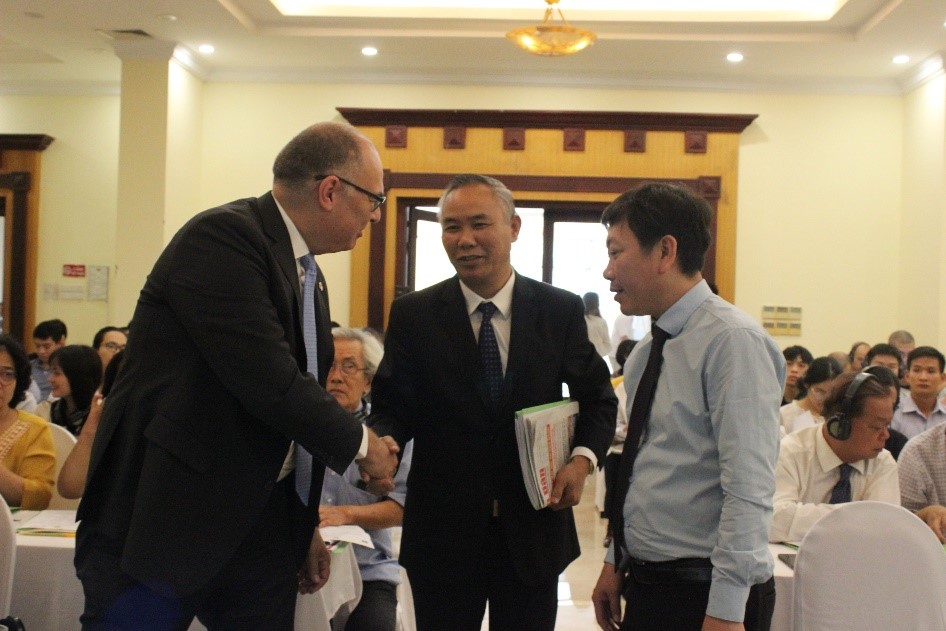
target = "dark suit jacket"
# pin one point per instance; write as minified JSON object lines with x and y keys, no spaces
{"x":431,"y":387}
{"x":210,"y":395}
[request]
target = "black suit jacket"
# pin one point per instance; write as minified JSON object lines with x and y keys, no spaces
{"x":210,"y":395}
{"x":431,"y":387}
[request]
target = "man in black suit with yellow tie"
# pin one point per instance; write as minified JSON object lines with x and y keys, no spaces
{"x":460,"y":358}
{"x":196,"y":503}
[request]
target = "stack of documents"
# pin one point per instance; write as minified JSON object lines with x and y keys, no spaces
{"x":50,"y":523}
{"x":545,"y":434}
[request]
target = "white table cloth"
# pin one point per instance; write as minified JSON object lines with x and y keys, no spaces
{"x":47,"y":595}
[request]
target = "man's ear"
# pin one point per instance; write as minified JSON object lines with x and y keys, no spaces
{"x":667,"y":248}
{"x":326,"y":191}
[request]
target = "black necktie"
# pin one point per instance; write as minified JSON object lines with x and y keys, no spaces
{"x":841,"y":493}
{"x":489,"y":351}
{"x":640,"y":411}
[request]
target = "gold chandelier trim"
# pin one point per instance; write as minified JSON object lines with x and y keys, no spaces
{"x":553,"y":37}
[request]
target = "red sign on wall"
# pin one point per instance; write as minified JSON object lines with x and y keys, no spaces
{"x":73,"y":271}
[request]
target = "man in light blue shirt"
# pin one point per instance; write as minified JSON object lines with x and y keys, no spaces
{"x":699,"y":507}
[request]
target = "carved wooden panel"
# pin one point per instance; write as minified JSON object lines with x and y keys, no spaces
{"x":694,"y":141}
{"x":454,"y":137}
{"x":395,"y":137}
{"x":574,"y":139}
{"x":514,"y":138}
{"x":635,"y":141}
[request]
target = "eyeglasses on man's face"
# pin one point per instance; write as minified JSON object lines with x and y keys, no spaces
{"x":347,"y":367}
{"x":376,"y":198}
{"x":113,"y":347}
{"x":7,"y":377}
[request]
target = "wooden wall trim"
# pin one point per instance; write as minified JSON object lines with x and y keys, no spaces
{"x":707,"y":187}
{"x":20,"y":184}
{"x":25,"y":142}
{"x":539,"y":119}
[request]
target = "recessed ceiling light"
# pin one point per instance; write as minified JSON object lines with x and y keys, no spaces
{"x":369,"y":51}
{"x":734,"y":57}
{"x":206,"y":49}
{"x":168,"y":17}
{"x":901,"y":59}
{"x":35,"y":15}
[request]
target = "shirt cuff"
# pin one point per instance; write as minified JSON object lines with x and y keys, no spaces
{"x":363,"y":449}
{"x":727,"y":601}
{"x":587,"y":453}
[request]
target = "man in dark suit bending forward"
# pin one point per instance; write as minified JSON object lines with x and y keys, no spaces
{"x":205,"y":474}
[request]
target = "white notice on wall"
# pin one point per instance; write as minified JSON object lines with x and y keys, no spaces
{"x":97,"y":282}
{"x":71,"y":292}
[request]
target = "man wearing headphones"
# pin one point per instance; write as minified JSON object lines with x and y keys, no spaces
{"x":841,"y":460}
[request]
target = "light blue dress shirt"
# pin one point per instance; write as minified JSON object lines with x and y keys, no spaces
{"x":704,"y":477}
{"x":378,"y":564}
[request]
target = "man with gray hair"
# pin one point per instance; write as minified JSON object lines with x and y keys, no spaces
{"x":461,"y":358}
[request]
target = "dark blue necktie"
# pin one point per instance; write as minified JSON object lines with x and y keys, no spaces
{"x":311,"y":339}
{"x":841,"y":493}
{"x":489,"y":351}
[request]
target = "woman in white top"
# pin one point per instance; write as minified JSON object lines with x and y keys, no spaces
{"x":597,"y":327}
{"x":808,"y":408}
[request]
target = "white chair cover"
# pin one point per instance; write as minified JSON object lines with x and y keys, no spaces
{"x":7,"y":557}
{"x":870,"y":565}
{"x":64,"y":441}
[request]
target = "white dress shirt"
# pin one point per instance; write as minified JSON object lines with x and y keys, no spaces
{"x":807,"y":471}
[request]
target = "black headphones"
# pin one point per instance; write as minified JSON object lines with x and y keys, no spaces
{"x":839,"y":425}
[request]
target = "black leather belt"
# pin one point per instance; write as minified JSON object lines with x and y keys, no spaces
{"x":671,"y":572}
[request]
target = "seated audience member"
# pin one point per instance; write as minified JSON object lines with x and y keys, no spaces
{"x":922,"y":470}
{"x":840,"y":460}
{"x":48,"y":336}
{"x":108,"y":341}
{"x":920,"y":407}
{"x":842,"y":359}
{"x":597,"y":327}
{"x":857,"y":356}
{"x":344,"y":500}
{"x":798,"y":359}
{"x":71,"y":482}
{"x":77,"y":374}
{"x":896,"y":441}
{"x":815,"y":388}
{"x":903,"y":341}
{"x":887,"y":356}
{"x":27,"y":454}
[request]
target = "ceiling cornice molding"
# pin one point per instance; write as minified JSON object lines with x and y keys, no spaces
{"x":540,"y":119}
{"x":930,"y":68}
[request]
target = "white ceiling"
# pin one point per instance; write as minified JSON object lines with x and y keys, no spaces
{"x":55,"y":46}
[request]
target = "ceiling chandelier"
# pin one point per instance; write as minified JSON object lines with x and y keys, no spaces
{"x":553,"y":37}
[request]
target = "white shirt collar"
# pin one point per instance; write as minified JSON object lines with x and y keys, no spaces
{"x":502,"y":299}
{"x":299,"y":248}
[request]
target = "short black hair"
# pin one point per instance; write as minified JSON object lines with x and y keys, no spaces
{"x":795,"y":352}
{"x":927,"y":351}
{"x":50,"y":329}
{"x":656,"y":210}
{"x":21,"y":366}
{"x":623,"y":352}
{"x":100,"y":335}
{"x":882,"y":349}
{"x":886,"y":377}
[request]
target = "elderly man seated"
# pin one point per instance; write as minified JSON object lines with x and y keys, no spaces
{"x":344,"y":498}
{"x":922,"y":469}
{"x":838,"y":461}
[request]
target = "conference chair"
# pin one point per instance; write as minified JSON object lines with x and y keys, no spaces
{"x":7,"y":556}
{"x":870,"y":565}
{"x":63,"y":442}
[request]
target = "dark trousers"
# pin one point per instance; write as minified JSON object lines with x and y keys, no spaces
{"x":513,"y":605}
{"x":255,"y":590}
{"x":682,"y":606}
{"x":377,"y":609}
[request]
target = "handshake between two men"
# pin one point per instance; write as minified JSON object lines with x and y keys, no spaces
{"x":380,"y":464}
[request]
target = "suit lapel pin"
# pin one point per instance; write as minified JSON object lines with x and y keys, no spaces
{"x":321,"y":286}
